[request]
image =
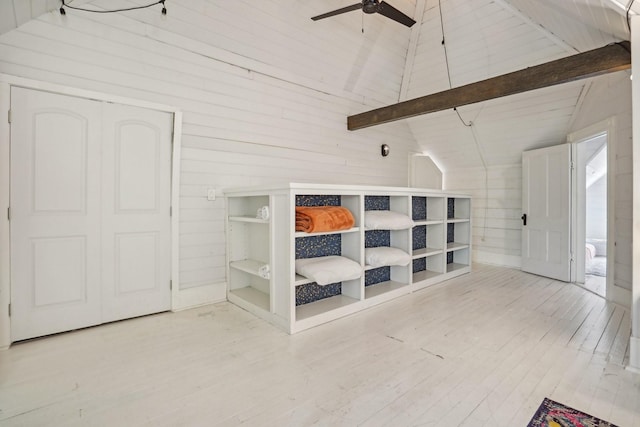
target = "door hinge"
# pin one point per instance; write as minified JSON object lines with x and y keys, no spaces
{"x":9,"y":309}
{"x":9,"y":116}
{"x":9,"y":213}
{"x":170,"y":210}
{"x":170,"y":285}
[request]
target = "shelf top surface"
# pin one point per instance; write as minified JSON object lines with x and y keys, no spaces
{"x":344,"y":188}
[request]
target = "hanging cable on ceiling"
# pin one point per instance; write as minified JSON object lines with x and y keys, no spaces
{"x":628,"y":17}
{"x":446,"y":60}
{"x":471,"y":126}
{"x":64,"y":4}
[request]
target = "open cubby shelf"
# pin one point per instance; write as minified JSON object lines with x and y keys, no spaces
{"x":252,"y":296}
{"x":261,"y":234}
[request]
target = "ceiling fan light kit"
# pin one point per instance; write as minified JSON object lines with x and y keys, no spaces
{"x":369,"y":7}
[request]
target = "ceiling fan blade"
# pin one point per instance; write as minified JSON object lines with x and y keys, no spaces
{"x":389,"y":11}
{"x":339,"y":11}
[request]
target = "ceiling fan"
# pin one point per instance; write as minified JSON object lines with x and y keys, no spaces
{"x":372,"y":6}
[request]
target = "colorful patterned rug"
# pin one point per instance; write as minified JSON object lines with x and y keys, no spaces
{"x":554,"y":414}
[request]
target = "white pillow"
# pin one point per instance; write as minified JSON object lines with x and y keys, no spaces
{"x":328,"y":269}
{"x":386,"y":220}
{"x":384,"y":256}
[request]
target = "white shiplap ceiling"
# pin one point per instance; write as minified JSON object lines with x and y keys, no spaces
{"x":483,"y":38}
{"x":486,"y":38}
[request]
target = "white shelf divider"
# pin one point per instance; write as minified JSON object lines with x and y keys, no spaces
{"x":248,"y":219}
{"x":326,"y":233}
{"x":250,"y":266}
{"x":456,"y":246}
{"x":426,"y":252}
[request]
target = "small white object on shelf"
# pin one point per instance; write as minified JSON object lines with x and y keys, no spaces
{"x":264,"y":271}
{"x":263,"y":213}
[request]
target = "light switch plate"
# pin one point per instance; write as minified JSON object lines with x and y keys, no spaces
{"x":211,"y":194}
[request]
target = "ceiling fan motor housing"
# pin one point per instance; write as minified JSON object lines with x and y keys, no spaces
{"x":370,"y":6}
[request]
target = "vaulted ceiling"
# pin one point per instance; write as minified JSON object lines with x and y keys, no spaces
{"x":454,"y":42}
{"x":485,"y":38}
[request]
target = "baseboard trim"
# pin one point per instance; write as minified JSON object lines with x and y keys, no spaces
{"x":199,"y":296}
{"x":634,"y":355}
{"x":619,"y":295}
{"x":501,"y":260}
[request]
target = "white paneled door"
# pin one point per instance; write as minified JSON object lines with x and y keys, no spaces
{"x":90,"y":219}
{"x":136,"y":227}
{"x":546,"y":186}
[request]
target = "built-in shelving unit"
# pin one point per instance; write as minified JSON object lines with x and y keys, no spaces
{"x":458,"y":233}
{"x":249,"y":250}
{"x":262,"y":250}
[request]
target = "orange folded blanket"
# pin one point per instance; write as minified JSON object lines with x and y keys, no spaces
{"x":323,"y":218}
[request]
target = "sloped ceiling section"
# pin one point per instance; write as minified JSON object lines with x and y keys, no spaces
{"x":582,"y":24}
{"x":379,"y":59}
{"x":370,"y":49}
{"x":486,"y":38}
{"x":14,"y":13}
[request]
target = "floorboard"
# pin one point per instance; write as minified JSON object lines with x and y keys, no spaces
{"x":482,"y":349}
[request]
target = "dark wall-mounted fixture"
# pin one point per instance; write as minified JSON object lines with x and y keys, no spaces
{"x":384,"y":150}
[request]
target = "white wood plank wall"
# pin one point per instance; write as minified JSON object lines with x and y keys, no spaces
{"x":607,"y":97}
{"x":264,"y":90}
{"x":501,"y":206}
{"x":496,"y":213}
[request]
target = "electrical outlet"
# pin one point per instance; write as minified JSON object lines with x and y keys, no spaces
{"x":211,"y":194}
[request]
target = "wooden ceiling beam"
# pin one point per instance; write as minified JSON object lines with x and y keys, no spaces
{"x":607,"y":59}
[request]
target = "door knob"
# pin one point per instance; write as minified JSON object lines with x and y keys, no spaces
{"x":524,"y":219}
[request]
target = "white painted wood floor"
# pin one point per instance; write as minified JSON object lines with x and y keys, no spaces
{"x":483,"y":349}
{"x":597,"y":284}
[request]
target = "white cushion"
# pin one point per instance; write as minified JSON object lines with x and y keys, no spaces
{"x":384,"y":256}
{"x":386,"y":220}
{"x":328,"y":269}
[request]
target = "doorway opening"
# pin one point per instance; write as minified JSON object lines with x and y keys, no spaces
{"x":594,"y":209}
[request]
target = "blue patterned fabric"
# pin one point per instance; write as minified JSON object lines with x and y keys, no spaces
{"x":451,"y":230}
{"x":377,"y":275}
{"x":376,"y":238}
{"x":314,"y":200}
{"x":315,"y":246}
{"x":451,"y":208}
{"x":419,"y":264}
{"x":419,"y":237}
{"x":376,"y":203}
{"x":311,"y":292}
{"x":419,"y":208}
